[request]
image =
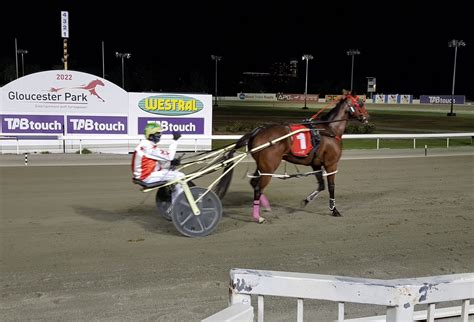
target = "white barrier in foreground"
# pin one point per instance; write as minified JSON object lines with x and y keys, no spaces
{"x":400,"y":296}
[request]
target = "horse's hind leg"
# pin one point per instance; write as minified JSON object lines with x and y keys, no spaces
{"x":258,"y":197}
{"x":265,"y":202}
{"x":254,"y":182}
{"x":332,"y":200}
{"x":315,"y":193}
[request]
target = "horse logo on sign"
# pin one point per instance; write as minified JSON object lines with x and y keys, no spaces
{"x":91,"y":88}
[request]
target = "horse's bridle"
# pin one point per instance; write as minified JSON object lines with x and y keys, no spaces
{"x":355,"y":106}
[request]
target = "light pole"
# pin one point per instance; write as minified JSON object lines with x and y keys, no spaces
{"x":454,"y":43}
{"x":103,"y":60}
{"x":352,"y":52}
{"x":123,"y":56}
{"x":16,"y":58}
{"x":306,"y":57}
{"x":22,"y":52}
{"x":216,"y":59}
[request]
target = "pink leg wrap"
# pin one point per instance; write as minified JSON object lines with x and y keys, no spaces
{"x":264,"y":201}
{"x":256,"y":209}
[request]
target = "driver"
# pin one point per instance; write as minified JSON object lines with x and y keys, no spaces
{"x":152,"y":164}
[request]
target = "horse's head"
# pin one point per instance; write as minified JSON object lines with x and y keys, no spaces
{"x":355,"y":107}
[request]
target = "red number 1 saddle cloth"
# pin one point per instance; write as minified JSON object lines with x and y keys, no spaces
{"x":300,"y":142}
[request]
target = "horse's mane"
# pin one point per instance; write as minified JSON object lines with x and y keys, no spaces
{"x":330,"y":115}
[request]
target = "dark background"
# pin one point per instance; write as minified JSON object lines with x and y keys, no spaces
{"x":403,"y":45}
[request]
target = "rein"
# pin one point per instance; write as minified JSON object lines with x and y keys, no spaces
{"x":338,"y":138}
{"x":315,"y":116}
{"x":352,"y":98}
{"x":325,"y":122}
{"x":207,"y":153}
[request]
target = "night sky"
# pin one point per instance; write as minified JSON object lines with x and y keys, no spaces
{"x":404,"y":45}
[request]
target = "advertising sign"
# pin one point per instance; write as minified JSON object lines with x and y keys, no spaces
{"x":64,"y":24}
{"x":336,"y":98}
{"x":32,"y":124}
{"x":332,"y":98}
{"x":170,"y":125}
{"x":184,"y":113}
{"x":380,"y":98}
{"x":64,"y":92}
{"x":85,"y":106}
{"x":297,"y":97}
{"x":40,"y":103}
{"x":442,"y":99}
{"x":406,"y":99}
{"x":256,"y":97}
{"x":392,"y":98}
{"x":96,"y":124}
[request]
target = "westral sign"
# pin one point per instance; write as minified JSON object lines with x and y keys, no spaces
{"x":442,"y":99}
{"x":186,"y":113}
{"x":170,"y":105}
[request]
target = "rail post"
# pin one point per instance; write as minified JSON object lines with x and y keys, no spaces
{"x":400,"y":313}
{"x":340,"y":312}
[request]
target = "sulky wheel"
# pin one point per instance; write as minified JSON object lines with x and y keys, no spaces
{"x":163,"y":202}
{"x":187,"y":223}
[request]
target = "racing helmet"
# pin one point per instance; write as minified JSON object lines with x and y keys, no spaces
{"x":152,"y":128}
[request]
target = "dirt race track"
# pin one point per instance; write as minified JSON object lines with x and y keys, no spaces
{"x":83,"y":243}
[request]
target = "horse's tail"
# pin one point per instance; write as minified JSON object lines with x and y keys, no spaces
{"x":247,"y":139}
{"x":223,"y":185}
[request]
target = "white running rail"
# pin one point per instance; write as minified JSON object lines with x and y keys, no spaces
{"x":10,"y":142}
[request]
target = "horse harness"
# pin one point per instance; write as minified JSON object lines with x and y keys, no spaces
{"x":316,"y":134}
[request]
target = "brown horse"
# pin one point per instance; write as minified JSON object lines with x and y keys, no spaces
{"x":270,"y":144}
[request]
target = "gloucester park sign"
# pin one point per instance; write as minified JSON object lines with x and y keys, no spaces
{"x":74,"y":103}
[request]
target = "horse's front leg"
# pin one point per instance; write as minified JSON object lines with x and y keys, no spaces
{"x":332,"y":200}
{"x":315,"y":193}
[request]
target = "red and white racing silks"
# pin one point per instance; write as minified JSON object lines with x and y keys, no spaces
{"x":149,"y":158}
